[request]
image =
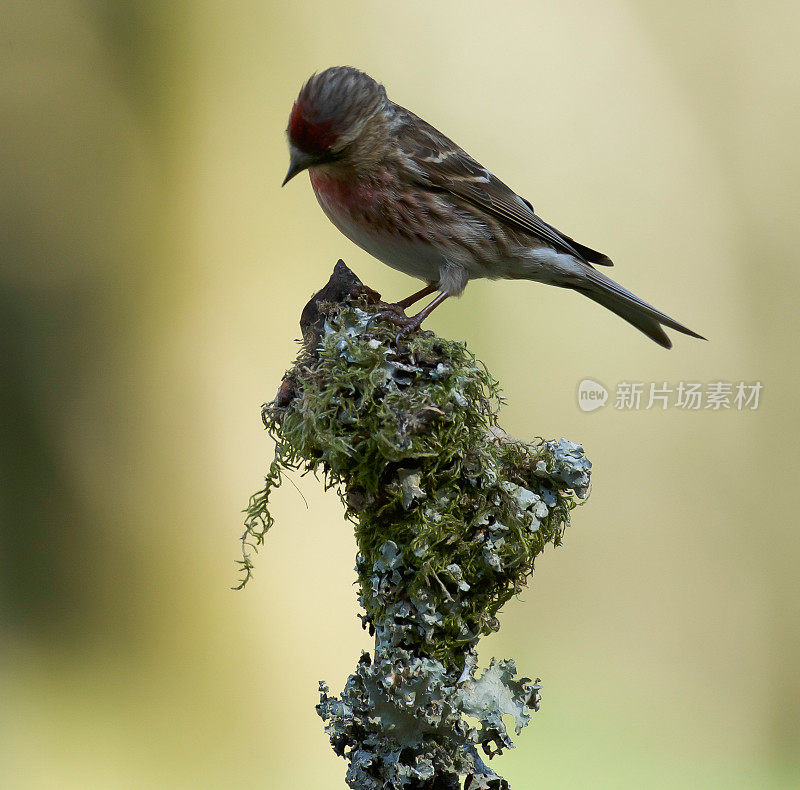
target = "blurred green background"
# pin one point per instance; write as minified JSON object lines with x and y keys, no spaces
{"x":151,"y":281}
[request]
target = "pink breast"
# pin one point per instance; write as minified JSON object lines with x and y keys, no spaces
{"x":346,"y":194}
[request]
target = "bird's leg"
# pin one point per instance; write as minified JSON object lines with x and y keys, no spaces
{"x":399,"y":308}
{"x":415,"y":297}
{"x":410,"y":324}
{"x":416,"y":320}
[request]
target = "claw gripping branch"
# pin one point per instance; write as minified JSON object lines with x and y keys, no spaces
{"x":449,"y":513}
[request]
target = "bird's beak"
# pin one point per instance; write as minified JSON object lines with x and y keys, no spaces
{"x":299,"y":162}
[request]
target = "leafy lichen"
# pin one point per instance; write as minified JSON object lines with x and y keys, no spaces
{"x":449,"y":513}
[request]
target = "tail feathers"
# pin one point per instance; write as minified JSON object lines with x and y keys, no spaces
{"x":634,"y":310}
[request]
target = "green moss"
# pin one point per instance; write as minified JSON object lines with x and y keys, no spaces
{"x":449,"y":511}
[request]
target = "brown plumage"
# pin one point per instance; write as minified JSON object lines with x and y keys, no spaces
{"x":411,"y":197}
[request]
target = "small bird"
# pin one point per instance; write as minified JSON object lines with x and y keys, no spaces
{"x":408,"y":195}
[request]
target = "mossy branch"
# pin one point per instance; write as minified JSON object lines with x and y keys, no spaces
{"x":449,"y":513}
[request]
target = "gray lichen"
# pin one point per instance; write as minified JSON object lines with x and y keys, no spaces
{"x":449,"y":514}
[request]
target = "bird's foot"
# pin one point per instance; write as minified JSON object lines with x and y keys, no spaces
{"x":395,"y":314}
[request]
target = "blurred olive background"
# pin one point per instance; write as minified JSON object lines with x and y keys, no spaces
{"x":151,"y":281}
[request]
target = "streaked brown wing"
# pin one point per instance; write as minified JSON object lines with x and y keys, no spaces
{"x":447,"y":166}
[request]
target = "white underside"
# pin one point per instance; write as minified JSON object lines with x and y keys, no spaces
{"x":428,"y":262}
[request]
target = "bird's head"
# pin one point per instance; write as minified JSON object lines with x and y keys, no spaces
{"x":331,"y":112}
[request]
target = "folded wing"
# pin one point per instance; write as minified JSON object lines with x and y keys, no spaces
{"x":448,"y":167}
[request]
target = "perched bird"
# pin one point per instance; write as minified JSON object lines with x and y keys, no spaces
{"x":408,"y":195}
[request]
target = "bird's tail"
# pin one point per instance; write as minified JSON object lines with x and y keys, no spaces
{"x":634,"y":310}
